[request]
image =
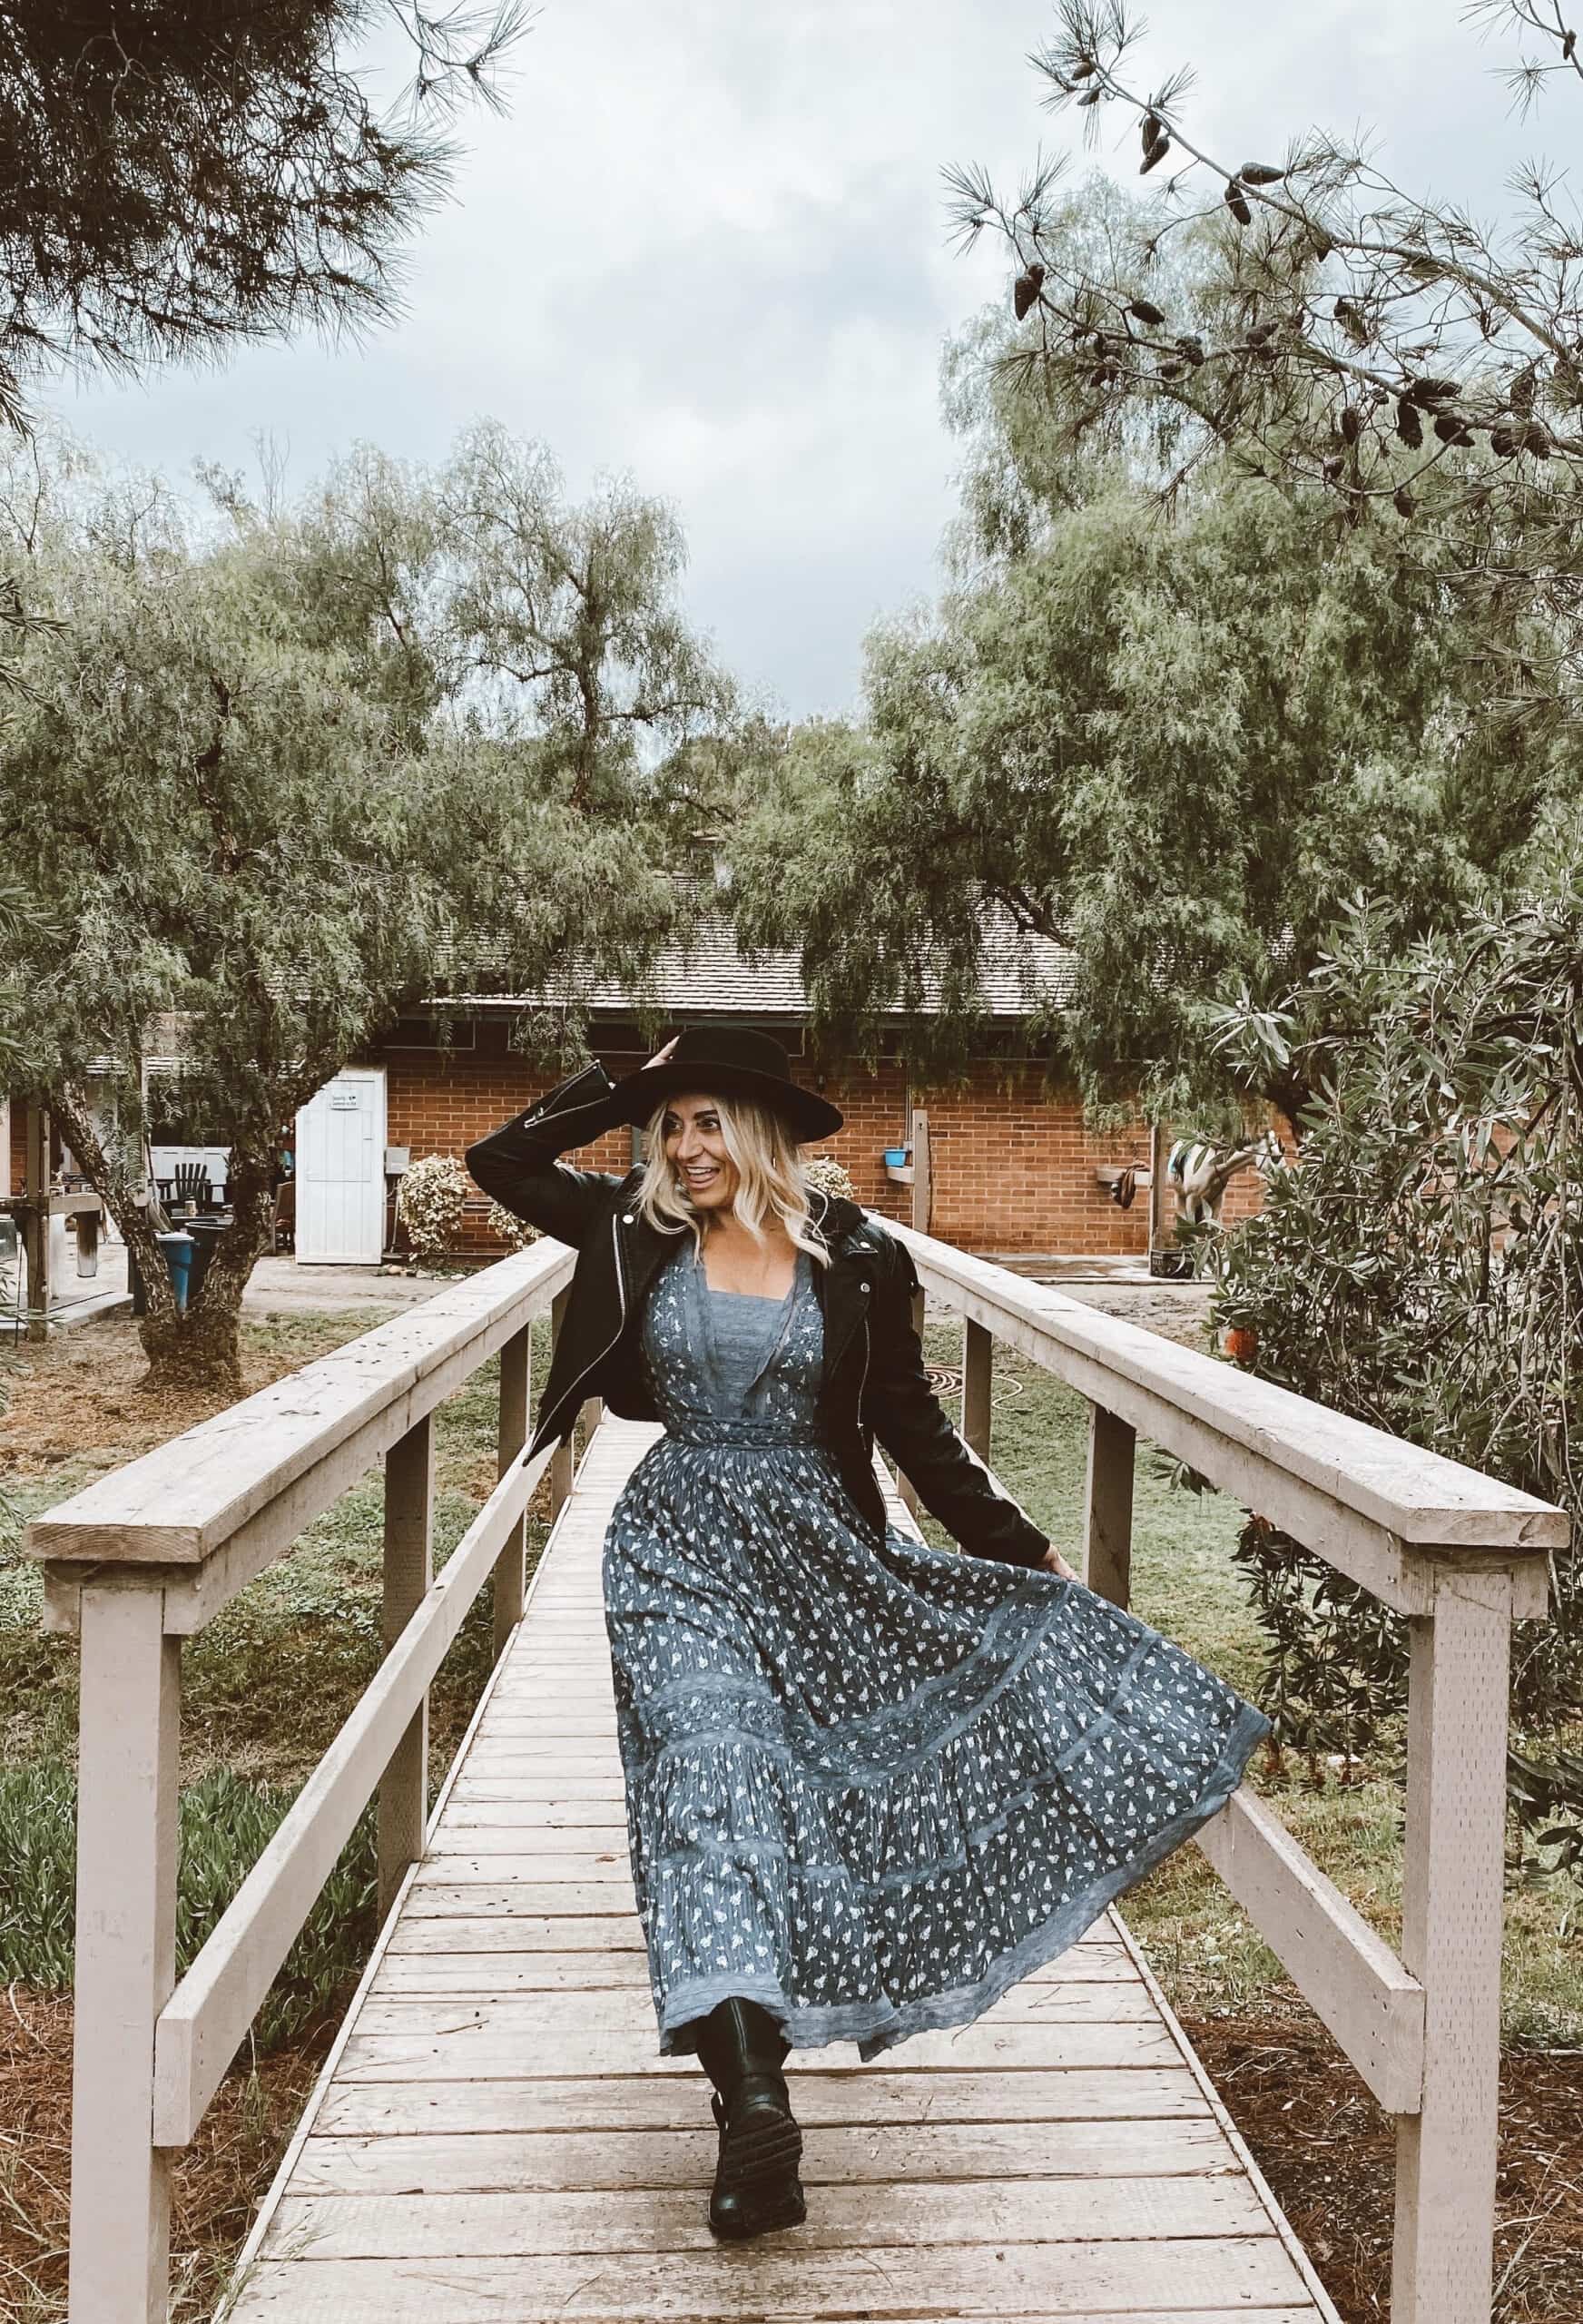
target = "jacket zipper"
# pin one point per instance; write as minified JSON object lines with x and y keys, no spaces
{"x":567,"y":1394}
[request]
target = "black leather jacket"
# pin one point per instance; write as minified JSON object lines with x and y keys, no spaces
{"x":874,"y":1382}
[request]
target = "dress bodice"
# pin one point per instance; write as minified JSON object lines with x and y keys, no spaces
{"x":728,"y":1358}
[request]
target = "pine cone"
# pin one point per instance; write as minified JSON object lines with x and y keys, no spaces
{"x":1260,"y":174}
{"x":1025,"y":290}
{"x":1402,"y":501}
{"x":1433,"y":390}
{"x":1502,"y":442}
{"x":1236,"y":202}
{"x":1409,"y":426}
{"x":1536,"y":438}
{"x":1153,"y":153}
{"x":1146,"y":312}
{"x":1451,"y":428}
{"x":1350,"y":424}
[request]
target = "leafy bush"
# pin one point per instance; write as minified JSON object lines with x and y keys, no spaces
{"x":226,"y":1824}
{"x":1421,"y":1268}
{"x":827,"y":1173}
{"x":515,"y":1233}
{"x":429,"y":1205}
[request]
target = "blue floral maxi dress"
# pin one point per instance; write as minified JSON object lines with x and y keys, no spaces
{"x":869,"y":1784}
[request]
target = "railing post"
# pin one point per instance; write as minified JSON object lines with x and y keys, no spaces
{"x":1107,"y":1562}
{"x":1452,"y":1875}
{"x":403,"y":1810}
{"x":922,"y":1211}
{"x":515,"y":1403}
{"x":978,"y":1376}
{"x":128,"y":1758}
{"x":561,"y":1459}
{"x":910,"y":1498}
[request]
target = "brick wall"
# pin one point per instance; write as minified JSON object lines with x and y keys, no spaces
{"x":1013,"y":1172}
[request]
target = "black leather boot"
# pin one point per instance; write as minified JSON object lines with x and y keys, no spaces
{"x":756,"y":2186}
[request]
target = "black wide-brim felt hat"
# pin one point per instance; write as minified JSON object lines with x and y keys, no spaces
{"x":727,"y":1061}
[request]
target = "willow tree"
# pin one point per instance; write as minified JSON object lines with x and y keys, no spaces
{"x":1170,"y":749}
{"x":258,"y":789}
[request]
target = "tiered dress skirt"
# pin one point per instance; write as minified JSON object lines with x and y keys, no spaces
{"x":869,"y":1784}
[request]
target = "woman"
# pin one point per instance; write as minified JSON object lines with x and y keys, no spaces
{"x":869,"y":1784}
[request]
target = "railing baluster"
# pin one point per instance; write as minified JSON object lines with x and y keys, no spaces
{"x":1106,"y":1564}
{"x":977,"y":1379}
{"x":1451,"y":1906}
{"x":516,"y":1403}
{"x":128,"y":1756}
{"x":403,"y":1812}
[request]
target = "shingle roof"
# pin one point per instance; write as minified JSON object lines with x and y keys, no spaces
{"x":710,"y":974}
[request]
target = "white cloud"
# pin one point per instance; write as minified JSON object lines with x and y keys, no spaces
{"x":706,"y":246}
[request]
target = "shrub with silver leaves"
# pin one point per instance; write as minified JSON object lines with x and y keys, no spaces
{"x":430,"y":1205}
{"x":515,"y":1233}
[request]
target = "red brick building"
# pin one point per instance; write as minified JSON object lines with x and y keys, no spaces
{"x":1014,"y":1172}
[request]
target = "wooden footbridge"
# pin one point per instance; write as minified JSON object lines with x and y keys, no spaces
{"x":495,"y":2136}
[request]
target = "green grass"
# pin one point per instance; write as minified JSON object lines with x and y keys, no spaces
{"x":226,"y":1824}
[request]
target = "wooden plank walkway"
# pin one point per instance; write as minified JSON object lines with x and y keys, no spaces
{"x":495,"y":2136}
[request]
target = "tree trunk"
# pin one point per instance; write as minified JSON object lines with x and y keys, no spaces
{"x":196,"y":1346}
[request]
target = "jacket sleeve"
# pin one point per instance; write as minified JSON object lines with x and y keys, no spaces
{"x":910,"y":1421}
{"x":516,"y":1163}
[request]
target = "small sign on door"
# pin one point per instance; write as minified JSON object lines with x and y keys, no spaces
{"x":344,"y":1101}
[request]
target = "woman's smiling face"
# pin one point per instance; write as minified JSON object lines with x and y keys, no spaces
{"x":696,"y":1153}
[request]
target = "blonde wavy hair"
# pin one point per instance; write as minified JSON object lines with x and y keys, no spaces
{"x":770,"y":1177}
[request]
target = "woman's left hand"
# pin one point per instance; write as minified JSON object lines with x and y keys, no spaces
{"x":1058,"y":1564}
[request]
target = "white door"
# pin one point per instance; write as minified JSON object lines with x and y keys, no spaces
{"x":340,"y":1171}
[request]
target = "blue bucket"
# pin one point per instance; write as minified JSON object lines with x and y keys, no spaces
{"x":178,"y":1250}
{"x":896,"y":1156}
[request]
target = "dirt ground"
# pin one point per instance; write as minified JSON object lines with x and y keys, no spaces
{"x":81,"y":1392}
{"x":1329,"y":2154}
{"x":218,"y":2180}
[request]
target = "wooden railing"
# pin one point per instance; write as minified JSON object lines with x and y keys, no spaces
{"x":143,"y":1559}
{"x":1461,"y":1556}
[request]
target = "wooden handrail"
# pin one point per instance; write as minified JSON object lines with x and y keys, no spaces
{"x":145,"y":1556}
{"x":1384,"y":1511}
{"x":207,"y":2017}
{"x":1463,"y":1556}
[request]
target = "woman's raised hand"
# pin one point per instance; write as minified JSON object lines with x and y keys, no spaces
{"x":1058,"y":1564}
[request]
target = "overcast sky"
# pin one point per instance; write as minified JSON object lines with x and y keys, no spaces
{"x":706,"y":246}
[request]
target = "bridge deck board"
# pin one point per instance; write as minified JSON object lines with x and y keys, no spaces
{"x":495,"y":2136}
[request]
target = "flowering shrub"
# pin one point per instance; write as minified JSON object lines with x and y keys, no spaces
{"x":430,"y":1205}
{"x":515,"y":1233}
{"x":826,"y":1173}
